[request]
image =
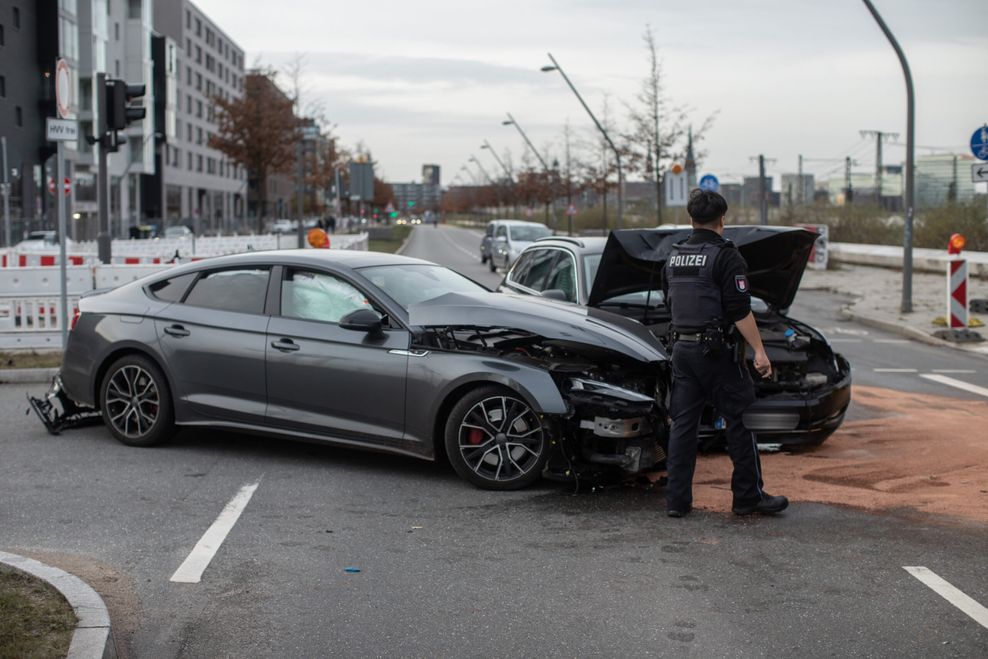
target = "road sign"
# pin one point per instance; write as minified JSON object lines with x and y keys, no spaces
{"x":676,"y":188}
{"x":63,"y":94}
{"x":979,"y":143}
{"x":66,"y":185}
{"x":61,"y":130}
{"x":979,"y":172}
{"x":709,"y":183}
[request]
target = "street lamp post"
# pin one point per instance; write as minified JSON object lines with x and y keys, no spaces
{"x":907,"y":234}
{"x":545,"y":166}
{"x":617,"y":154}
{"x":507,"y":172}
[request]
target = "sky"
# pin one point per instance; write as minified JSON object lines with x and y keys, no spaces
{"x":428,"y":81}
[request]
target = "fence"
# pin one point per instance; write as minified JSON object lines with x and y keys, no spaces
{"x":30,"y":285}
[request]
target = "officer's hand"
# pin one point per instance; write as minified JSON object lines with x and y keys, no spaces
{"x":762,"y":364}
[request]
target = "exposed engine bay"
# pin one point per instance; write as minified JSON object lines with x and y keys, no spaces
{"x":616,"y":423}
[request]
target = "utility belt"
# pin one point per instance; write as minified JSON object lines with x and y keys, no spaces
{"x":714,"y":340}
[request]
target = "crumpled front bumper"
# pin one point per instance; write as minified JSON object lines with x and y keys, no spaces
{"x":58,"y":412}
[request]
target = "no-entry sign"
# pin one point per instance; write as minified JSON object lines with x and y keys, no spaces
{"x":66,"y":186}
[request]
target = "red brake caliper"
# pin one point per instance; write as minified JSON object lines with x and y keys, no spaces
{"x":476,"y":436}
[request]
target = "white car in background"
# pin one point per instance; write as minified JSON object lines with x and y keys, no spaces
{"x":511,"y":237}
{"x":41,"y":241}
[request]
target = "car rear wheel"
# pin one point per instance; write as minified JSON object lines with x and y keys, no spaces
{"x":495,"y":440}
{"x":136,"y":403}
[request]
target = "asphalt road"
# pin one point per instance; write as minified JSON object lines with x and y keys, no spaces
{"x":448,"y":570}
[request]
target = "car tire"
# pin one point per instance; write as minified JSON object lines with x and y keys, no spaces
{"x":495,"y":440}
{"x":136,"y":402}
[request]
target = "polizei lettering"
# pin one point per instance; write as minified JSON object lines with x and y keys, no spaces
{"x":683,"y":260}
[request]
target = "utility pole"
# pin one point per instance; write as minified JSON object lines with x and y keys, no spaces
{"x":104,"y":239}
{"x":569,"y":184}
{"x":300,"y":191}
{"x":762,"y":189}
{"x":6,"y":194}
{"x":848,"y":189}
{"x":802,"y":186}
{"x":879,"y":136}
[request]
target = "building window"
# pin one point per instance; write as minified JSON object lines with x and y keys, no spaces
{"x":19,"y":115}
{"x":1,"y":34}
{"x":116,"y":31}
{"x":17,"y":18}
{"x":134,"y":9}
{"x":116,"y":67}
{"x":199,"y":81}
{"x":198,"y":55}
{"x":188,"y":75}
{"x":188,"y":103}
{"x":190,"y":160}
{"x":199,"y":163}
{"x":188,"y":19}
{"x":199,"y":109}
{"x":198,"y":28}
{"x":198,"y":135}
{"x":188,"y":47}
{"x":3,"y":87}
{"x":188,"y":132}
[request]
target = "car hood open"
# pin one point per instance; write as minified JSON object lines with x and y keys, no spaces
{"x":633,"y":259}
{"x":557,"y":321}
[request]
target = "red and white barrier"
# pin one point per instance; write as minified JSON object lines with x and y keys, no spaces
{"x":957,"y":284}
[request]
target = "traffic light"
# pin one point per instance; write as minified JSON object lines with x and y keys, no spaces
{"x":119,"y":110}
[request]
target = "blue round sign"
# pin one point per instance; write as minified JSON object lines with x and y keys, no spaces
{"x":709,"y":183}
{"x":979,"y":143}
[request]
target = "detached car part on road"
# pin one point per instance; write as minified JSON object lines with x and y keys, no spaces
{"x":373,"y":351}
{"x":806,"y":398}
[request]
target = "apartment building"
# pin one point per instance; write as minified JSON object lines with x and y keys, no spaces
{"x":201,"y":186}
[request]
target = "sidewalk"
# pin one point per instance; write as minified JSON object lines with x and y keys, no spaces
{"x":877,"y":294}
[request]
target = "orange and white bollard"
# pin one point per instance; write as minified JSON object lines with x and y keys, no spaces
{"x":956,"y":284}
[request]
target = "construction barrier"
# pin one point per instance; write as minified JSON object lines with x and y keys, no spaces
{"x":32,"y":322}
{"x":957,"y":285}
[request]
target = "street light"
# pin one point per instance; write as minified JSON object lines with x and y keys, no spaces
{"x":617,"y":154}
{"x":483,"y":171}
{"x":507,"y":172}
{"x":511,"y":122}
{"x":907,"y":234}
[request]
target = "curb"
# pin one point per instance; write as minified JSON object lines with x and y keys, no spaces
{"x":908,"y":332}
{"x":27,"y":375}
{"x":91,"y":639}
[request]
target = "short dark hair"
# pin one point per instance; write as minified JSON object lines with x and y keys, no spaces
{"x":705,"y":207}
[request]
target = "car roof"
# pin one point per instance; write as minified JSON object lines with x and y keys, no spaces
{"x":580,"y":244}
{"x":300,"y":257}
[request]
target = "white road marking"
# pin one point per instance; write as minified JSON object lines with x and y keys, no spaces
{"x":472,"y":255}
{"x":848,"y":330}
{"x":891,"y":340}
{"x":190,"y":571}
{"x":896,"y":370}
{"x":844,"y":340}
{"x":957,"y":384}
{"x":953,"y":370}
{"x":946,"y":590}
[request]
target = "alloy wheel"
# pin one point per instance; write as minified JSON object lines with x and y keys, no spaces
{"x":501,"y":439}
{"x":132,"y":401}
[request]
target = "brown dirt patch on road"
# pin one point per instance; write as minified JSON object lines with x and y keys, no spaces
{"x":929,"y":453}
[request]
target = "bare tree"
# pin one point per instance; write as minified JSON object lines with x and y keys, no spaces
{"x":658,"y":125}
{"x":258,"y":131}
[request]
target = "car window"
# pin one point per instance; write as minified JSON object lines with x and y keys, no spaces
{"x":534,"y":276}
{"x":520,"y":267}
{"x":529,"y":232}
{"x":319,"y":296}
{"x":408,"y":284}
{"x":241,"y":290}
{"x":502,"y":231}
{"x":591,"y":262}
{"x":562,"y":277}
{"x":171,"y":290}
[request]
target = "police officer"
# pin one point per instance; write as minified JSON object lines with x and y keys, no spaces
{"x":706,"y":290}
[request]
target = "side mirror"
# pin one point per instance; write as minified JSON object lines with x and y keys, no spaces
{"x":555,"y":294}
{"x":362,"y":320}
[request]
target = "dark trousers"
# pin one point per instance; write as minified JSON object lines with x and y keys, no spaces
{"x":698,"y":378}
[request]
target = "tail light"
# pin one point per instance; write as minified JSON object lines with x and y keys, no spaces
{"x":75,"y":319}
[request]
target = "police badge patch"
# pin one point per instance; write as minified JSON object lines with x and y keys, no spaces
{"x":741,"y":283}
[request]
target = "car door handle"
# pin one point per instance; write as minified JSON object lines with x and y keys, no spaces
{"x":176,"y":330}
{"x":285,"y":345}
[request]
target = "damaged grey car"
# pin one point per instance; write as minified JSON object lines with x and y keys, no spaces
{"x":368,"y":350}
